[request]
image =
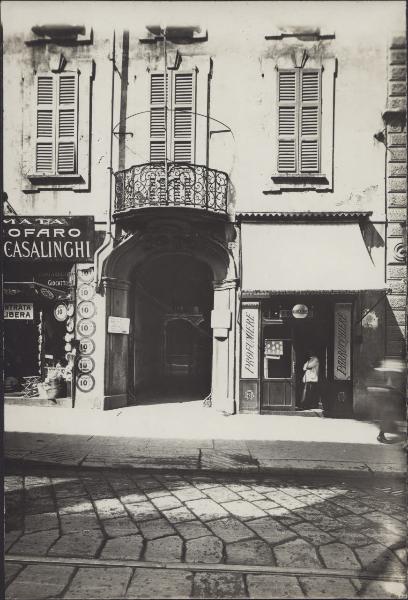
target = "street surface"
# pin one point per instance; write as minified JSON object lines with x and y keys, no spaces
{"x":110,"y":534}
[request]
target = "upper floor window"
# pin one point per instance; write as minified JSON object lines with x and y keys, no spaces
{"x":172,"y":130}
{"x":299,"y":86}
{"x":299,"y":121}
{"x":56,"y":124}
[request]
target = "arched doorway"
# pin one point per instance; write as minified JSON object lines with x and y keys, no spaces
{"x":171,"y":299}
{"x":133,"y":261}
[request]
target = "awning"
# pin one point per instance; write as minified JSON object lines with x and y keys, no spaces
{"x":303,"y":257}
{"x":33,"y":290}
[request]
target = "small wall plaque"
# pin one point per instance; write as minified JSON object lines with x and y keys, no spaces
{"x":118,"y":325}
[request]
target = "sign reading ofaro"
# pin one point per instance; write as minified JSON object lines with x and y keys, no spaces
{"x":54,"y":238}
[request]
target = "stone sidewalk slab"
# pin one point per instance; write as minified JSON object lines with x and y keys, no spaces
{"x":262,"y":456}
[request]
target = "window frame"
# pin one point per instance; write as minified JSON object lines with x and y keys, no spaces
{"x":56,"y":139}
{"x":172,"y":106}
{"x":284,"y":58}
{"x":298,"y":137}
{"x":80,"y":180}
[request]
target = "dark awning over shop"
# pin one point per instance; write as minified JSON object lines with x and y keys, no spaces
{"x":31,"y":290}
{"x":303,"y":257}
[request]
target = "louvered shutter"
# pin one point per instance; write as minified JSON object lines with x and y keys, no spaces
{"x":157,"y":118}
{"x":183,"y":117}
{"x":287,"y":121}
{"x":67,"y":123}
{"x":309,"y":138}
{"x":45,"y":115}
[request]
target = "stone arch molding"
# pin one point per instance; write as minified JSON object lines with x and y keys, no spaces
{"x":138,"y":248}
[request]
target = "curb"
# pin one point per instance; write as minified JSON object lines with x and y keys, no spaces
{"x":297,"y":470}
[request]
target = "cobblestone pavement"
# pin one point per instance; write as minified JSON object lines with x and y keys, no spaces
{"x":127,"y":534}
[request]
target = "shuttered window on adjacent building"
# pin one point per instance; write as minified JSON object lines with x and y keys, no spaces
{"x":56,"y":124}
{"x":299,"y":115}
{"x":179,"y":97}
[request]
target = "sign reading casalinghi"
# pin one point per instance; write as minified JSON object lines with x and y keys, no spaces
{"x":56,"y":238}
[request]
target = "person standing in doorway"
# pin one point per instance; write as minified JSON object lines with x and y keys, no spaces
{"x":310,"y":395}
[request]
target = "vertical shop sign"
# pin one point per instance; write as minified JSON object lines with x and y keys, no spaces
{"x":342,"y":342}
{"x":249,"y":341}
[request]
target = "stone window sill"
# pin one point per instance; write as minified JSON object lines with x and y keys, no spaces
{"x":304,"y":181}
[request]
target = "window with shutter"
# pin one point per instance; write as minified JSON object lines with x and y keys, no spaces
{"x":179,"y":120}
{"x":183,"y":117}
{"x":309,"y":116}
{"x":44,"y":148}
{"x":56,"y":124}
{"x":299,"y":100}
{"x":157,"y":117}
{"x":67,"y":124}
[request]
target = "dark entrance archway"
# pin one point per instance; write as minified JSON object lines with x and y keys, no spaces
{"x":124,"y":266}
{"x":171,"y":298}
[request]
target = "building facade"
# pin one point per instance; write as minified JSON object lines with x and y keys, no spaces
{"x":195,"y":206}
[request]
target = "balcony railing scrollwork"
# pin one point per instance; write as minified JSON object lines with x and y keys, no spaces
{"x":181,"y":184}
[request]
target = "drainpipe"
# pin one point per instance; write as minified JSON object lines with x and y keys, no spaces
{"x":108,"y":235}
{"x":123,"y":100}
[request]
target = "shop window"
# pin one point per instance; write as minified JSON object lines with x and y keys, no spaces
{"x":177,"y":126}
{"x":277,"y":359}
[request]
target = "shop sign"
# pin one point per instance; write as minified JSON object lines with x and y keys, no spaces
{"x":59,"y":238}
{"x":86,"y":364}
{"x":86,"y":309}
{"x":342,"y":342}
{"x":118,"y":325}
{"x":249,"y":341}
{"x":60,"y":312}
{"x":86,"y":327}
{"x":85,"y":291}
{"x":85,"y":383}
{"x":300,"y":311}
{"x":86,"y":346}
{"x":62,"y":279}
{"x":19,"y":311}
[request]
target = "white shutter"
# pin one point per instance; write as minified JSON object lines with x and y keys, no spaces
{"x":183,"y":117}
{"x":287,"y":121}
{"x":157,"y":117}
{"x":67,"y":123}
{"x":45,"y":116}
{"x":310,"y":103}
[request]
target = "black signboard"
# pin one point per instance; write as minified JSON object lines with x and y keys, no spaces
{"x":59,"y":238}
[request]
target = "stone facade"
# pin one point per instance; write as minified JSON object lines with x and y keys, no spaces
{"x":396,"y":198}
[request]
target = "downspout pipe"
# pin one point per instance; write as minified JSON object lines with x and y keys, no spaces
{"x":108,"y":234}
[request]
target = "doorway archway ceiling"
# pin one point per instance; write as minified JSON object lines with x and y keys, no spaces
{"x":141,"y":246}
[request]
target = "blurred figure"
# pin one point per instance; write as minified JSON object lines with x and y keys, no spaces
{"x":310,"y":396}
{"x":388,"y":389}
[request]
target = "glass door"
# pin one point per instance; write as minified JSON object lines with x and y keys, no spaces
{"x":278,"y":368}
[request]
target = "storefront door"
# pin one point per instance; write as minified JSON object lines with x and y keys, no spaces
{"x":277,"y":390}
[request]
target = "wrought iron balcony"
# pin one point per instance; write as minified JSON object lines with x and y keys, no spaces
{"x":180,"y":184}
